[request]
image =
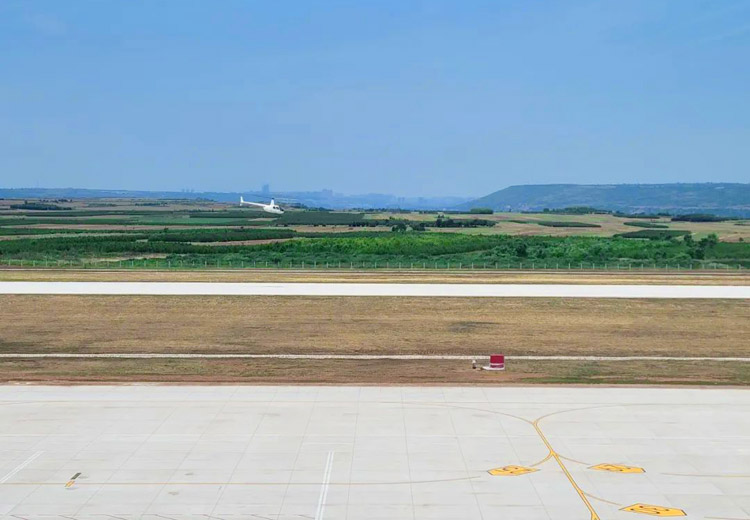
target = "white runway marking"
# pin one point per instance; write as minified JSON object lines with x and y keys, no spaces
{"x":378,"y":289}
{"x":324,"y":488}
{"x":18,"y":468}
{"x":362,"y":357}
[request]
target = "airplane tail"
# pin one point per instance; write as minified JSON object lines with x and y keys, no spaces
{"x":242,"y":200}
{"x":272,"y":202}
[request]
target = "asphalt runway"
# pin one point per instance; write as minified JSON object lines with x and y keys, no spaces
{"x":283,"y":453}
{"x":378,"y":289}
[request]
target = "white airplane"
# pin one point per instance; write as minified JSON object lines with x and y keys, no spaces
{"x":268,"y":208}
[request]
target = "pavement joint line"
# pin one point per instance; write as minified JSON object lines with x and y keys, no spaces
{"x":727,"y":475}
{"x":195,"y":483}
{"x":358,"y":357}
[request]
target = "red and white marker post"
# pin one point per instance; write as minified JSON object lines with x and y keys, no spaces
{"x":497,"y":362}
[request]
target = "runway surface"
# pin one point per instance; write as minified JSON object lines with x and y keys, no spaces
{"x":282,"y":453}
{"x":378,"y":289}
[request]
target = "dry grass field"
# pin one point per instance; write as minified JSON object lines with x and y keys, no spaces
{"x":514,"y":326}
{"x":343,"y":372}
{"x":526,"y":224}
{"x":168,"y":324}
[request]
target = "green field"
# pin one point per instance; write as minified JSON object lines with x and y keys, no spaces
{"x":283,"y":246}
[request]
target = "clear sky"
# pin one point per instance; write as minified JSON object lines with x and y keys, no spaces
{"x":390,"y":96}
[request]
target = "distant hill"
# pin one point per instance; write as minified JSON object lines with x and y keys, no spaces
{"x":729,"y":199}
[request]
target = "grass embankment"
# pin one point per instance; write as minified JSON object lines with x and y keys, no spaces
{"x":640,"y":277}
{"x":274,"y":371}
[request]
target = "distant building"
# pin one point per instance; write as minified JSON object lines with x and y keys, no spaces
{"x":266,"y":189}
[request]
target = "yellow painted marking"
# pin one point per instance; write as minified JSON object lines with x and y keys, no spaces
{"x":581,"y":494}
{"x":511,"y":471}
{"x":72,"y":480}
{"x":600,"y":499}
{"x":545,"y":459}
{"x":647,"y":509}
{"x":618,"y":468}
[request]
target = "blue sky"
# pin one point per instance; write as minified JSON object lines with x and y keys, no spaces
{"x":412,"y":98}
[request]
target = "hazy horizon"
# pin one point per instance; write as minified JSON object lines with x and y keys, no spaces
{"x":404,"y":98}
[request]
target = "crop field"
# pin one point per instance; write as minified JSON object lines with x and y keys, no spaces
{"x":648,"y":248}
{"x":130,"y":212}
{"x":136,"y":234}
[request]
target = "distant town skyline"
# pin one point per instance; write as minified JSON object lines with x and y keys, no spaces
{"x":407,"y":98}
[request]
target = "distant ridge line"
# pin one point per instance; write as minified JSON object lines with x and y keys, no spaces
{"x":725,"y":199}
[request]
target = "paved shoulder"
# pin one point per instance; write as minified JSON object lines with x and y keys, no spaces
{"x":379,"y":289}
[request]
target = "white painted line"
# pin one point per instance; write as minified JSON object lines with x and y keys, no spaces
{"x":379,"y":289}
{"x":362,"y":357}
{"x":20,"y":467}
{"x":324,"y":488}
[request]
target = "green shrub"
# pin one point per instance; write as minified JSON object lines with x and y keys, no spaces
{"x":652,"y":225}
{"x":655,"y":234}
{"x":698,"y":217}
{"x":317,"y":218}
